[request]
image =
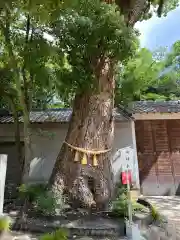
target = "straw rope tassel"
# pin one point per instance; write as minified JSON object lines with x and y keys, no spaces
{"x":84,"y":159}
{"x":86,"y":152}
{"x":95,"y":163}
{"x":76,"y":158}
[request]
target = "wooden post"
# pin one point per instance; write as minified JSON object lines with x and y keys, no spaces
{"x":3,"y":167}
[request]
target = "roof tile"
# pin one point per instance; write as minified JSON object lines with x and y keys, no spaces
{"x":54,"y":115}
{"x":155,"y":106}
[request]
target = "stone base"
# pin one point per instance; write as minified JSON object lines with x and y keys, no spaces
{"x":132,"y":231}
{"x":92,"y":226}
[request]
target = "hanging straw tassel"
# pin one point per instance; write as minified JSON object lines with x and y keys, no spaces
{"x":84,"y":160}
{"x":95,"y":163}
{"x":76,"y":158}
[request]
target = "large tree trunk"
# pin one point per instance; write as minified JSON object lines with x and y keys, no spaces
{"x":91,"y":127}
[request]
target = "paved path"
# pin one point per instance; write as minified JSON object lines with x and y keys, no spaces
{"x":22,"y":236}
{"x":167,"y":206}
{"x":170,"y":208}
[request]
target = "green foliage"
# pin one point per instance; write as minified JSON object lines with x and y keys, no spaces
{"x":43,"y":200}
{"x":26,"y":54}
{"x":153,"y":97}
{"x":169,"y":6}
{"x":45,"y":203}
{"x":32,"y":191}
{"x":120,"y":204}
{"x":168,"y":84}
{"x":136,"y":75}
{"x":65,"y":61}
{"x":5,"y":223}
{"x":155,"y":214}
{"x":149,"y":76}
{"x":60,"y":234}
{"x":87,"y":35}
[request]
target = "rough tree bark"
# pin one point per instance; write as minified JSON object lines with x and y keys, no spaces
{"x":91,"y":127}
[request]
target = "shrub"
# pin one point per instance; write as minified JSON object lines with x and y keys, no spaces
{"x":41,"y":199}
{"x":32,"y":191}
{"x":46,"y":203}
{"x":60,"y":234}
{"x":155,"y":214}
{"x":120,"y":204}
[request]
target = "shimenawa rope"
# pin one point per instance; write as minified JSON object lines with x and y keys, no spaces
{"x":85,"y":152}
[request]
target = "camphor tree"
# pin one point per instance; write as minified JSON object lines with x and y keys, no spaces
{"x":94,"y":36}
{"x":91,"y":37}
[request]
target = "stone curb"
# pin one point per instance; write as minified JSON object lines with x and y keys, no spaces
{"x":143,"y":223}
{"x":35,"y":226}
{"x":39,"y":226}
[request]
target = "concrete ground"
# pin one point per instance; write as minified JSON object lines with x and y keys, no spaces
{"x":170,"y":208}
{"x":167,"y":206}
{"x":22,"y":236}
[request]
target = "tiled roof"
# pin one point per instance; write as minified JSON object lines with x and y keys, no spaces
{"x":52,"y":115}
{"x":155,"y":106}
{"x":39,"y":116}
{"x":63,"y":115}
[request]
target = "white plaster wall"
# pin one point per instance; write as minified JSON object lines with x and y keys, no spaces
{"x":48,"y":138}
{"x":46,"y":147}
{"x":46,"y":143}
{"x":7,"y":133}
{"x":123,"y":135}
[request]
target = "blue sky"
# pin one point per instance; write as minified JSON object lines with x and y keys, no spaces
{"x":158,"y":32}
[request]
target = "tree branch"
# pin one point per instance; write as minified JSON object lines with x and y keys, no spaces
{"x":31,"y":82}
{"x":24,"y":63}
{"x":137,"y":8}
{"x":160,"y":8}
{"x":133,"y":9}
